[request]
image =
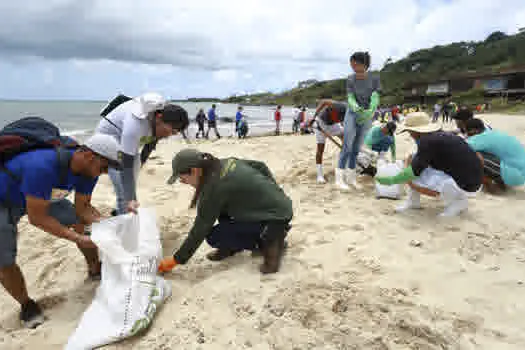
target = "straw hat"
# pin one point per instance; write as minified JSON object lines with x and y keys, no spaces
{"x":419,"y":122}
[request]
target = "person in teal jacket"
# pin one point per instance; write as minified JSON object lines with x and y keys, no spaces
{"x":503,"y":156}
{"x":381,"y":138}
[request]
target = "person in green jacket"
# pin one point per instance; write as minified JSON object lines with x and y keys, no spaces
{"x":381,"y":138}
{"x":252,"y":210}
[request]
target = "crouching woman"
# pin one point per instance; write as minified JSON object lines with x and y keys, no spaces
{"x":253,"y":212}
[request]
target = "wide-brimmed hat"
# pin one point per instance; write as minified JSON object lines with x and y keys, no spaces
{"x":419,"y":122}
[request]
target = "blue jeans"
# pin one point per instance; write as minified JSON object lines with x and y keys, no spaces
{"x":353,"y":138}
{"x":118,"y":187}
{"x":383,"y":145}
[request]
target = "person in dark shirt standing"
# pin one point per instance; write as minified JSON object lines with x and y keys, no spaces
{"x":444,"y":166}
{"x":225,"y":190}
{"x":212,"y":121}
{"x":200,"y":119}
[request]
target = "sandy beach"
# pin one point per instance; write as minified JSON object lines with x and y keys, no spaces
{"x":356,"y":274}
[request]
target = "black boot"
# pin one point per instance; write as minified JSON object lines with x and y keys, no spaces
{"x":272,"y":246}
{"x":220,"y":254}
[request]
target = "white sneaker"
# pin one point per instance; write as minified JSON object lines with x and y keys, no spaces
{"x":413,"y":201}
{"x":351,"y":178}
{"x":339,"y":179}
{"x":455,"y":207}
{"x":321,"y":179}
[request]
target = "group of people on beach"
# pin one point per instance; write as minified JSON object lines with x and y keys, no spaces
{"x":451,"y":166}
{"x":36,"y":182}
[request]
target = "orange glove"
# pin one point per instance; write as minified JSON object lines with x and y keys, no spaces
{"x":167,"y":264}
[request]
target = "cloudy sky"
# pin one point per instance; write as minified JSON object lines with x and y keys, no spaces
{"x":93,"y":49}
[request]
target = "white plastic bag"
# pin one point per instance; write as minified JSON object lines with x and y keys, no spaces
{"x":130,"y":291}
{"x":365,"y":158}
{"x":385,"y":168}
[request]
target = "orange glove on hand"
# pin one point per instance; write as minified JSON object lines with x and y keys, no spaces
{"x":167,"y":264}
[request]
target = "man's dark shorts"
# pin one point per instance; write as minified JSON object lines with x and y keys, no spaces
{"x":62,"y":210}
{"x":491,"y":167}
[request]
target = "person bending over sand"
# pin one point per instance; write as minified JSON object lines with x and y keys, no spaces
{"x":252,"y":209}
{"x":444,"y":166}
{"x":34,"y":183}
{"x":328,"y":115}
{"x":502,"y":155}
{"x":142,"y":121}
{"x":381,"y":139}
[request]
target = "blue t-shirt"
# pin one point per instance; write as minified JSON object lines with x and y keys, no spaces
{"x":211,"y":115}
{"x":508,"y":149}
{"x":238,"y":116}
{"x":39,"y":174}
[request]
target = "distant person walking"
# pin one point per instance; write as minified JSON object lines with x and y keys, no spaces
{"x":212,"y":121}
{"x":296,"y":120}
{"x":437,"y":110}
{"x":200,"y":119}
{"x":395,"y":114}
{"x":278,"y":118}
{"x":238,"y":118}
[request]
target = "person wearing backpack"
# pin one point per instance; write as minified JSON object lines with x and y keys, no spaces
{"x":36,"y":181}
{"x":140,"y":121}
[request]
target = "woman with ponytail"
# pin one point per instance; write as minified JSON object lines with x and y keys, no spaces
{"x":252,"y":210}
{"x":363,"y":99}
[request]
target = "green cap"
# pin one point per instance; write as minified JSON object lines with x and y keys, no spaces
{"x":183,"y":162}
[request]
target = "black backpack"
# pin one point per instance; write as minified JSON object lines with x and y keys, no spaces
{"x":33,"y":133}
{"x":117,"y":101}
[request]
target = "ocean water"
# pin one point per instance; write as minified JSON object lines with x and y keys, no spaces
{"x":79,"y":118}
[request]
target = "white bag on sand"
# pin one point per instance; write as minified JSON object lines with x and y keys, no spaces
{"x":130,"y":291}
{"x":385,"y":168}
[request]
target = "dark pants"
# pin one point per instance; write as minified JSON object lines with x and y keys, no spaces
{"x":237,"y":236}
{"x":491,"y":167}
{"x":62,"y":210}
{"x":213,"y":125}
{"x":201,"y":129}
{"x":383,"y":145}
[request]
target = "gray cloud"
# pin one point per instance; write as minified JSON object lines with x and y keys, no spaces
{"x":73,"y":29}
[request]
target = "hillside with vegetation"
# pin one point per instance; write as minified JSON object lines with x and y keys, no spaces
{"x":498,"y":51}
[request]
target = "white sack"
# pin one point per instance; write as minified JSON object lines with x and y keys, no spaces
{"x":130,"y":291}
{"x":385,"y":168}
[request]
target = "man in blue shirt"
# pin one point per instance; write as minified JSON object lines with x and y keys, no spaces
{"x":503,"y":156}
{"x":36,"y":183}
{"x":212,"y":121}
{"x":238,"y":117}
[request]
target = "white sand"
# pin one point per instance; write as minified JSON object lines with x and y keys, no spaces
{"x":356,"y":275}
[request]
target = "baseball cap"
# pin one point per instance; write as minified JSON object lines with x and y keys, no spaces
{"x":183,"y":162}
{"x":149,"y":102}
{"x":105,"y":146}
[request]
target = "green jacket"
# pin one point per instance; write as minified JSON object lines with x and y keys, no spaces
{"x":244,"y":190}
